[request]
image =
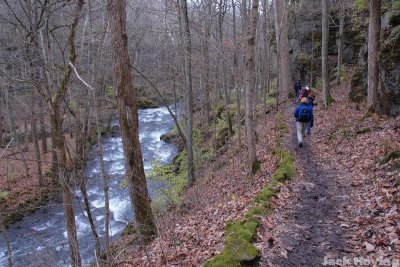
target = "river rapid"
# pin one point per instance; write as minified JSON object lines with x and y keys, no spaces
{"x":40,"y":239}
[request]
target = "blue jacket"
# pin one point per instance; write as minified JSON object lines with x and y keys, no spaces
{"x":307,"y":106}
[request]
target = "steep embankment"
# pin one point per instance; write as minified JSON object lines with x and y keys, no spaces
{"x":346,"y":201}
{"x":194,"y":232}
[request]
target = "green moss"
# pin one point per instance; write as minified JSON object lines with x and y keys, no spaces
{"x":282,"y":124}
{"x":144,"y":102}
{"x":129,"y":230}
{"x":286,"y":166}
{"x":109,"y":91}
{"x":236,"y":251}
{"x":265,"y":194}
{"x":245,"y":229}
{"x":389,"y":156}
{"x":4,"y":195}
{"x":219,"y":110}
{"x":223,"y":260}
{"x":222,"y":132}
{"x":363,"y":130}
{"x":361,"y":4}
{"x":255,"y":166}
{"x":397,"y":182}
{"x":369,"y":113}
{"x":240,"y":249}
{"x":329,"y":100}
{"x":13,"y":218}
{"x":257,"y":210}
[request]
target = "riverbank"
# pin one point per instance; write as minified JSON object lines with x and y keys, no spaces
{"x":192,"y":232}
{"x":20,"y":192}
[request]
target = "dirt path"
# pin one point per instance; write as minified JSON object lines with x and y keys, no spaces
{"x":308,"y":227}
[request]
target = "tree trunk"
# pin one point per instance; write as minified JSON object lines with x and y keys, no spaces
{"x":64,"y":168}
{"x":267,"y":60}
{"x":340,"y":41}
{"x":37,"y":150}
{"x":26,"y":136}
{"x":64,"y":179}
{"x":83,"y":190}
{"x":10,"y":118}
{"x":250,"y":84}
{"x":43,"y":135}
{"x":312,"y":53}
{"x":128,"y":119}
{"x":284,"y":72}
{"x":324,"y":53}
{"x":373,"y":54}
{"x":235,"y":78}
{"x":206,"y":44}
{"x":189,"y":94}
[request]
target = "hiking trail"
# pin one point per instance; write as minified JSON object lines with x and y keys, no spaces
{"x":308,"y":227}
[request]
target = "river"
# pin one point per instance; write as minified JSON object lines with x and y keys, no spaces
{"x":40,"y":239}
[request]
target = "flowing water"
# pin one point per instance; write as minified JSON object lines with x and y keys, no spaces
{"x":40,"y":239}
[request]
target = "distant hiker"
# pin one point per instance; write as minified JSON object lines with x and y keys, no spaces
{"x":305,"y":92}
{"x":304,"y":118}
{"x":297,"y":88}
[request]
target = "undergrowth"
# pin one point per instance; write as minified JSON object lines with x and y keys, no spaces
{"x":238,"y":249}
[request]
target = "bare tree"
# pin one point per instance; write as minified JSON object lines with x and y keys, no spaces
{"x":324,"y":51}
{"x":128,"y":119}
{"x":250,"y":86}
{"x":284,"y":72}
{"x":340,"y":41}
{"x":373,"y":54}
{"x":187,"y":44}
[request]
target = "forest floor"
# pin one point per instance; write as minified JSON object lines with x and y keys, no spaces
{"x":343,"y":209}
{"x":343,"y":204}
{"x":20,"y":193}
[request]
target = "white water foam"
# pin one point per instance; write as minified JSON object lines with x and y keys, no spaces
{"x":120,"y":209}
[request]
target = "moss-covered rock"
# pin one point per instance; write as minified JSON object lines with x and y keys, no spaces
{"x":240,"y":249}
{"x":237,"y":250}
{"x":358,"y":90}
{"x":245,"y":229}
{"x":257,"y":211}
{"x":147,"y":103}
{"x":264,"y":195}
{"x":286,"y":167}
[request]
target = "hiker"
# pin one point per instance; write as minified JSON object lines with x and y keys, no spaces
{"x":305,"y":92}
{"x":304,"y":118}
{"x":297,"y":88}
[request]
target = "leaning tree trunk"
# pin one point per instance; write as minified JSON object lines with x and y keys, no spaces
{"x":250,"y":84}
{"x":128,"y":120}
{"x":64,"y":173}
{"x":284,"y":72}
{"x":43,"y":135}
{"x":37,"y":151}
{"x":64,"y":168}
{"x":373,"y":54}
{"x":189,"y":94}
{"x":324,"y":52}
